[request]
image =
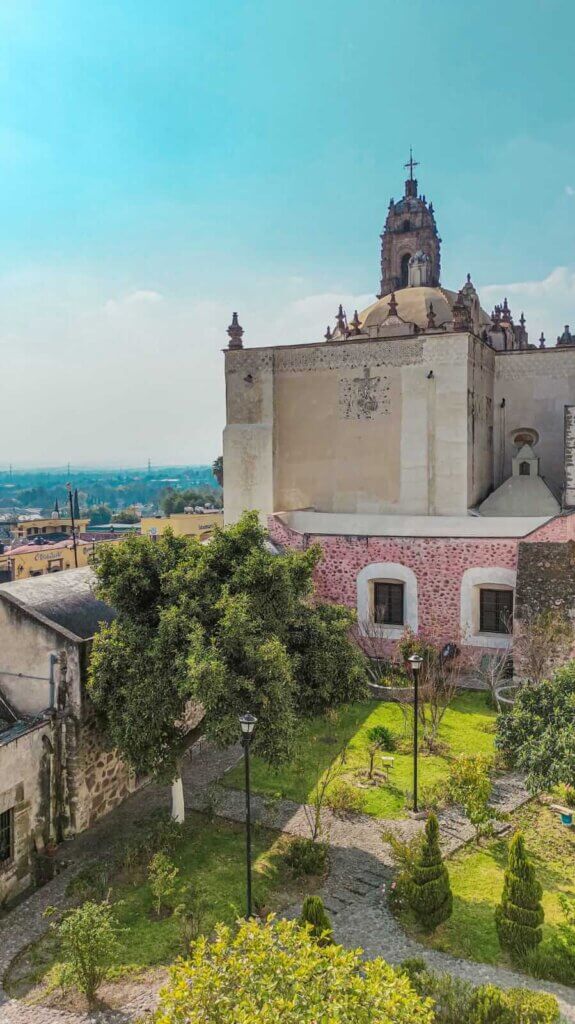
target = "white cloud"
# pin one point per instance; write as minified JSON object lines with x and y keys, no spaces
{"x":569,"y":190}
{"x":548,"y":304}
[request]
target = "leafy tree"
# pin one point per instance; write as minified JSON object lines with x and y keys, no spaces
{"x":469,"y":784}
{"x":89,"y":940}
{"x":538,"y":733}
{"x":224,"y":625}
{"x":314,"y":914}
{"x":163,"y":880}
{"x":277,"y":971}
{"x":519,"y":916}
{"x":76,"y":504}
{"x":429,"y":891}
{"x":126,"y":515}
{"x":542,"y":643}
{"x":218,"y":469}
{"x":100,"y":515}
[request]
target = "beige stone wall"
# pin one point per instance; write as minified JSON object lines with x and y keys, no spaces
{"x":25,"y":790}
{"x":379,"y":426}
{"x":480,"y":420}
{"x":101,"y":779}
{"x":536,"y":386}
{"x":26,"y":646}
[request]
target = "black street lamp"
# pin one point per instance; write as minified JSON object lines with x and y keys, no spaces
{"x":416,"y":661}
{"x":248,"y":723}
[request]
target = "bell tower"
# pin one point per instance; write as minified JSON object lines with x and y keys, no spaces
{"x":410,"y":229}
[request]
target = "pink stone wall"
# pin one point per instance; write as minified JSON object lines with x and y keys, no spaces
{"x":438,"y":563}
{"x":561,"y":528}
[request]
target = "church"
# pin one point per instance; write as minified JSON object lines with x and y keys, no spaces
{"x":426,"y":444}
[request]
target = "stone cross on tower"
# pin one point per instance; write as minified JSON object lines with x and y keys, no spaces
{"x":409,"y":228}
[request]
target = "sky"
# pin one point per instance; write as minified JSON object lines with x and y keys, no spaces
{"x":163,"y":164}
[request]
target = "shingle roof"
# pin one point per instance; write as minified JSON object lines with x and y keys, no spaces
{"x":66,"y":599}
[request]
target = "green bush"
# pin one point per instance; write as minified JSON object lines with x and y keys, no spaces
{"x":533,"y":1007}
{"x":304,"y":857}
{"x":457,"y":1002}
{"x":163,"y":881}
{"x":382,"y":737}
{"x":519,"y":916}
{"x":88,"y":938}
{"x":451,"y":997}
{"x":343,"y":798}
{"x":469,"y":784}
{"x":314,"y":913}
{"x":91,"y":883}
{"x":490,"y":1005}
{"x":554,"y":960}
{"x":429,"y":891}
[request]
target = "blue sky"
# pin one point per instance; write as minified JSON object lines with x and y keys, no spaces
{"x":163,"y":164}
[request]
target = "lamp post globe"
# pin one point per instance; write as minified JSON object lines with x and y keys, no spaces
{"x":416,"y":661}
{"x":248,"y":723}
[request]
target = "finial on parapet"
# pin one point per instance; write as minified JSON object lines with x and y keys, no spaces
{"x":392,"y":305}
{"x":542,"y":340}
{"x":341,"y":320}
{"x":235,"y":333}
{"x":355,"y":327}
{"x":496,"y":316}
{"x":461,"y":314}
{"x":469,"y":279}
{"x":506,"y":312}
{"x":328,"y":335}
{"x":431,"y":317}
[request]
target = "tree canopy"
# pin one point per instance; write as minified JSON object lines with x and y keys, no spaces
{"x":277,"y":971}
{"x":228,"y":624}
{"x":538,"y":733}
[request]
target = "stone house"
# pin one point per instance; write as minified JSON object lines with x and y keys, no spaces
{"x":56,"y":778}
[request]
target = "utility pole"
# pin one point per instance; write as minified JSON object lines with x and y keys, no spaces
{"x":71,"y":503}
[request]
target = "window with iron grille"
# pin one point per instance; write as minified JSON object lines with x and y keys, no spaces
{"x":388,"y":603}
{"x":495,"y":610}
{"x":6,"y":834}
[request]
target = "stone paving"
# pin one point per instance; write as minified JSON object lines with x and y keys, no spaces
{"x":354,"y":893}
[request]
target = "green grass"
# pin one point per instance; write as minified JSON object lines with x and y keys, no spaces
{"x":477,"y":881}
{"x":213,"y":856}
{"x":468,"y":726}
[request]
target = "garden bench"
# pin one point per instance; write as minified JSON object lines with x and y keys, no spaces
{"x":565,"y":812}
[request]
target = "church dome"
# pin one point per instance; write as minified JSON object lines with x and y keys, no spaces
{"x":413,"y":306}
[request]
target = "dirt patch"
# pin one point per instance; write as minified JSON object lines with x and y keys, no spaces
{"x":140,"y":989}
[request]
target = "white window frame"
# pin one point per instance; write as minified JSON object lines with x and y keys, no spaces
{"x":386,"y":572}
{"x":472,"y":582}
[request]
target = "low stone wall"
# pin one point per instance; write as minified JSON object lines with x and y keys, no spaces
{"x":403,"y":694}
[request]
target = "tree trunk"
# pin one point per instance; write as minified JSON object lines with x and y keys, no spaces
{"x":178,"y":809}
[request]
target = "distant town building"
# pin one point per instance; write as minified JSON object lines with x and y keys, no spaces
{"x":183,"y":524}
{"x":41,"y":526}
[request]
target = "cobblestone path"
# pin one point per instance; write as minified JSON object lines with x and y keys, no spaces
{"x":354,"y":893}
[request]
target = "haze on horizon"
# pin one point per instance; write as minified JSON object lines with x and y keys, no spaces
{"x":162,"y":166}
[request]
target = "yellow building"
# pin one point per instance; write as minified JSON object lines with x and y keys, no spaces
{"x":48,"y":524}
{"x":183,"y":524}
{"x":37,"y":559}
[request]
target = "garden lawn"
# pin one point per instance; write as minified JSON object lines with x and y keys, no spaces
{"x":468,"y":727}
{"x":476,"y":875}
{"x":213,"y":858}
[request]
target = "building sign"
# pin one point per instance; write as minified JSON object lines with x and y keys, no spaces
{"x":50,"y":555}
{"x":570,"y":456}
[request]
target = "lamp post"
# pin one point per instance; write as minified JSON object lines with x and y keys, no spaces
{"x":416,"y":662}
{"x":247,"y":723}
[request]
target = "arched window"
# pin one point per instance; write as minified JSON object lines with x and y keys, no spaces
{"x":524,"y":469}
{"x":405,"y":269}
{"x":406,"y":225}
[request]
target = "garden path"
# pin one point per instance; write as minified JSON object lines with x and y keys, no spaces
{"x":354,"y":892}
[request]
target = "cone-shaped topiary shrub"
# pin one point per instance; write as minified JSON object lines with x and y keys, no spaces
{"x":314,"y":913}
{"x":429,"y":891}
{"x":519,"y":916}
